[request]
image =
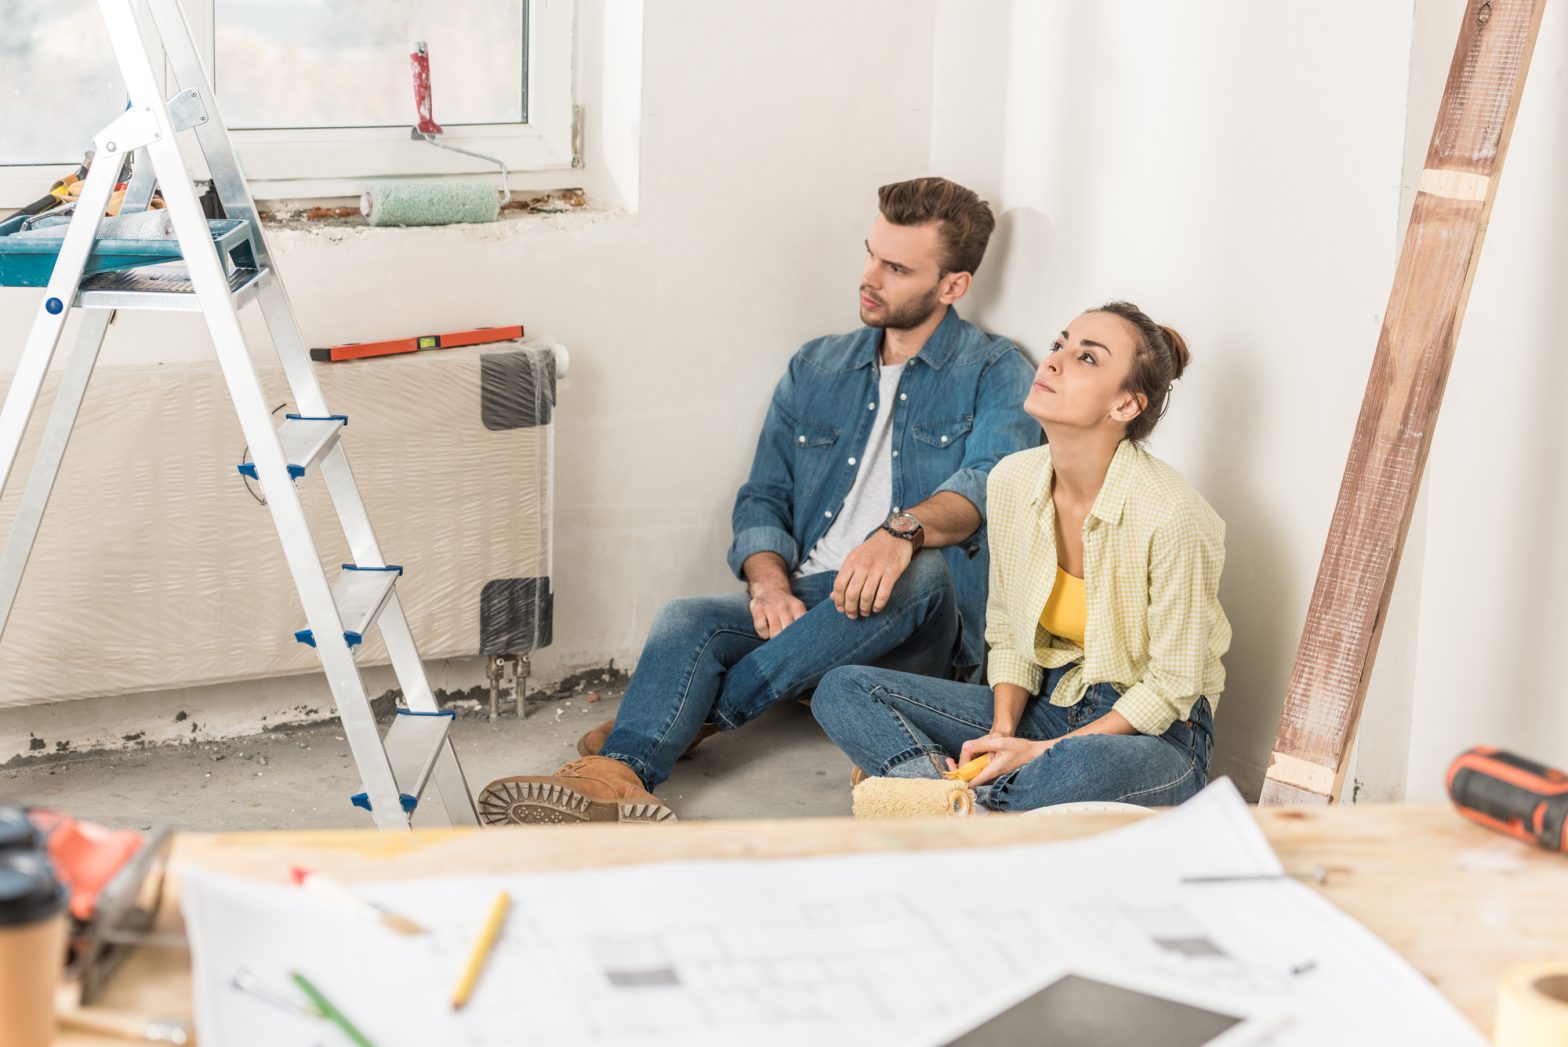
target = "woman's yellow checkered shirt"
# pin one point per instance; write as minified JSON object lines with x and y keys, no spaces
{"x":1153,"y":550}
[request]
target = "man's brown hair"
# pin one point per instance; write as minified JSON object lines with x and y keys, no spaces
{"x":966,"y":220}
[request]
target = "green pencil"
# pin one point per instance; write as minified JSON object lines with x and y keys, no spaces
{"x":329,"y":1012}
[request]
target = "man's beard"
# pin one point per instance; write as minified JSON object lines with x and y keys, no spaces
{"x":907,"y":316}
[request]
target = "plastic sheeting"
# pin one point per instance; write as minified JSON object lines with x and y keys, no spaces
{"x":157,"y":566}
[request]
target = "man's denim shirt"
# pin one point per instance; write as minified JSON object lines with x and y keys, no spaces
{"x":959,"y":411}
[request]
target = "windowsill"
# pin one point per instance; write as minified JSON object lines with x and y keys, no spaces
{"x":339,"y":219}
{"x":332,"y":221}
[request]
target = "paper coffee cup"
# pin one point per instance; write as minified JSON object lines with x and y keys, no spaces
{"x":32,"y":946}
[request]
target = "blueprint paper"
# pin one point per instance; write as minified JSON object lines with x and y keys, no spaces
{"x":898,"y":948}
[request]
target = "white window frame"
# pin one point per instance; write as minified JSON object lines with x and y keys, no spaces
{"x":329,"y":162}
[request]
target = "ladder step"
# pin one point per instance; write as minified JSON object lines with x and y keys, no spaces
{"x":166,"y":287}
{"x":360,"y":593}
{"x":413,"y":744}
{"x":306,"y":440}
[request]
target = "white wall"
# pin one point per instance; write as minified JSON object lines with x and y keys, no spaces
{"x":1244,"y":171}
{"x":765,"y":131}
{"x":1241,"y":170}
{"x":1495,"y":565}
{"x":1233,"y":168}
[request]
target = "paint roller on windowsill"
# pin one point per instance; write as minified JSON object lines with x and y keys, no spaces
{"x":428,"y":202}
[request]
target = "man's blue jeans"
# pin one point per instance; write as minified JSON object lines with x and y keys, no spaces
{"x":900,"y":726}
{"x":704,"y":662}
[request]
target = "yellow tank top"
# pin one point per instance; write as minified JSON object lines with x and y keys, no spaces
{"x":1066,"y":613}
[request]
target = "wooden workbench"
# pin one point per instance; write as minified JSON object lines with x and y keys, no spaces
{"x":1459,"y":902}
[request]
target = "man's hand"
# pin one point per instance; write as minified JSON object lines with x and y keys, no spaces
{"x":772,"y":609}
{"x":773,"y":603}
{"x":1007,"y":754}
{"x":865,"y":582}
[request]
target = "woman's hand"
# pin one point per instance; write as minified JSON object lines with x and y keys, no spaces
{"x":1007,"y":754}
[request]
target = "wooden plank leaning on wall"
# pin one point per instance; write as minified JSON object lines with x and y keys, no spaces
{"x":1394,"y":432}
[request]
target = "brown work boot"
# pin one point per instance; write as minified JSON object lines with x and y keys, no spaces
{"x":857,"y":776}
{"x":593,"y":789}
{"x":592,"y":743}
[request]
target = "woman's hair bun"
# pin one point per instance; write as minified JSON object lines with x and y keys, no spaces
{"x":1160,"y":359}
{"x":1180,"y":356}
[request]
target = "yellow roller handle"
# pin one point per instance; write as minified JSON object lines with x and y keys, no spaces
{"x":969,"y":771}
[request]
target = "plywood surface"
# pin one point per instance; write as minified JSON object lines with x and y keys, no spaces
{"x":1459,"y":902}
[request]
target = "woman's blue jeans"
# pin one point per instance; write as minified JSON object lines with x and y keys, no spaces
{"x":901,"y":726}
{"x":704,"y":662}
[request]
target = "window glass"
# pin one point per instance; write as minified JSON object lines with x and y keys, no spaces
{"x":59,"y":84}
{"x":344,"y":63}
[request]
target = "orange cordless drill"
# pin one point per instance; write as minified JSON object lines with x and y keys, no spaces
{"x":1512,"y":795}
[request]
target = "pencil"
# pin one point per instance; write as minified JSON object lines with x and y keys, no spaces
{"x":328,"y":1011}
{"x":481,"y":951}
{"x":323,"y":887}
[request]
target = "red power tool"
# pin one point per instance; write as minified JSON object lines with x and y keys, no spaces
{"x":1512,"y":795}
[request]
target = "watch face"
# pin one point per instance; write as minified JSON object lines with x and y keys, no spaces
{"x":903,"y":523}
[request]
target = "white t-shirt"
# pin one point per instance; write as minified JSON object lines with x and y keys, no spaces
{"x":870,"y":497}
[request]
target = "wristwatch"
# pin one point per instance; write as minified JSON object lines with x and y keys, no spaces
{"x":902,"y":525}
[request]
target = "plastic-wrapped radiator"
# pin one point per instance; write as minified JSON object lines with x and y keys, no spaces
{"x":158,"y":567}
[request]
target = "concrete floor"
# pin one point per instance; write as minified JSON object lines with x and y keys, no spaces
{"x":301,"y":778}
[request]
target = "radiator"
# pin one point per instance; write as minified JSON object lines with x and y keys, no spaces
{"x":157,"y":565}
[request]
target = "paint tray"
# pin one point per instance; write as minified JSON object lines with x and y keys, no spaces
{"x":29,"y":261}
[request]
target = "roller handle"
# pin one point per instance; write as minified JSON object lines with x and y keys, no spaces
{"x":1513,"y":795}
{"x":969,"y":771}
{"x":419,"y":62}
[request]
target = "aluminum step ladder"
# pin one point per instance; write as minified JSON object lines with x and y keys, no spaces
{"x":218,"y":275}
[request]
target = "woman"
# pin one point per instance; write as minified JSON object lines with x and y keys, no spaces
{"x":1103,"y":622}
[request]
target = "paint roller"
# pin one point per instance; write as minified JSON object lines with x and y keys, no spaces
{"x":431,"y":202}
{"x":948,"y":796}
{"x":912,"y":798}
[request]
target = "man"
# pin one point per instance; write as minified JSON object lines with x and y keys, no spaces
{"x":858,"y":534}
